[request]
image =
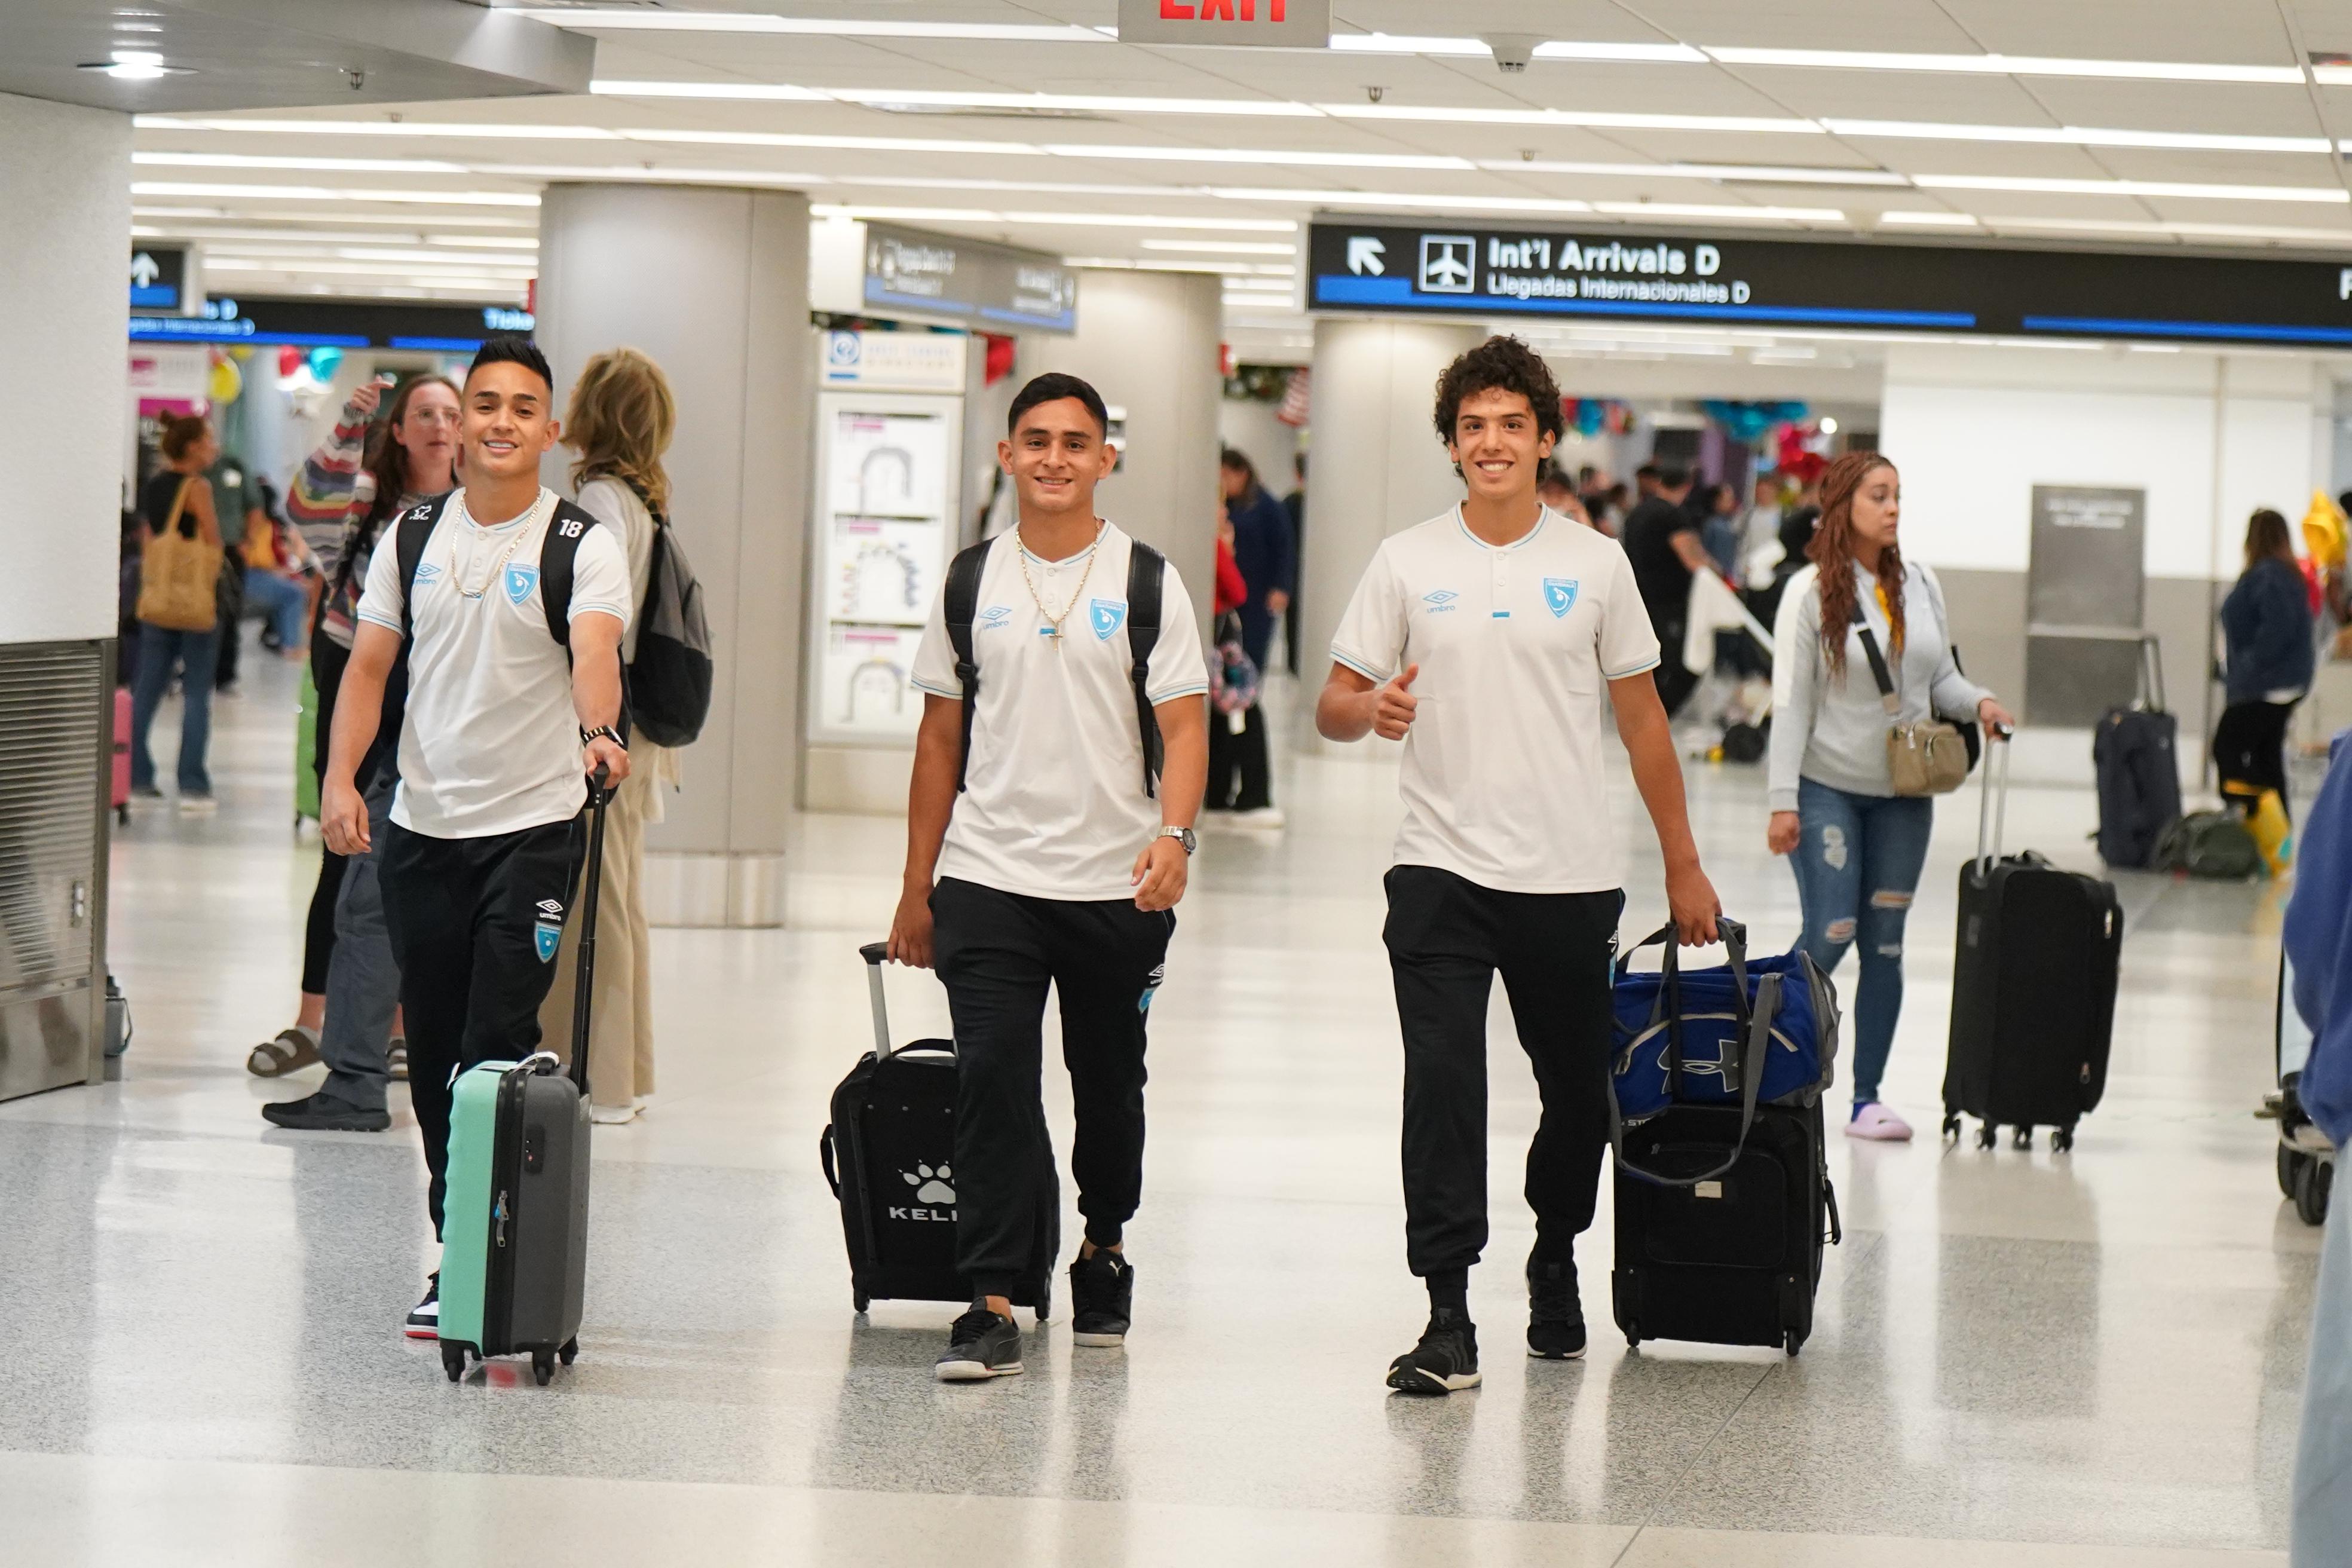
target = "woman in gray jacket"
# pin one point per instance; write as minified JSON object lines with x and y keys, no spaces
{"x":1857,"y":846}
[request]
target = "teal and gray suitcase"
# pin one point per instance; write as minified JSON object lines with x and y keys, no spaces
{"x":515,"y":1244}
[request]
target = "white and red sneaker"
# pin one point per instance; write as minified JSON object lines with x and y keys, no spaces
{"x":424,"y":1317}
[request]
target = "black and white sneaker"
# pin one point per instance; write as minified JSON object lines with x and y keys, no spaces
{"x":1102,"y":1297}
{"x":321,"y":1112}
{"x":1445,"y":1360}
{"x":424,"y":1317}
{"x":982,"y":1344}
{"x":1555,"y":1312}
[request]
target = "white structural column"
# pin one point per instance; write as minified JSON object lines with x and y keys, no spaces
{"x":712,"y":283}
{"x":1148,"y":342}
{"x":65,"y":243}
{"x":1377,"y":468}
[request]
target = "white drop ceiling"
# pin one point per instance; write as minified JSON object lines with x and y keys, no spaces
{"x":866,"y":106}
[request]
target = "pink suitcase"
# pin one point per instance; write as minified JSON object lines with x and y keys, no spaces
{"x":122,"y":753}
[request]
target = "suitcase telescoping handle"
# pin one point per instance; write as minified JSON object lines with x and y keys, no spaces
{"x":874,"y":953}
{"x":2151,"y":673}
{"x":1992,"y":821}
{"x":592,"y":875}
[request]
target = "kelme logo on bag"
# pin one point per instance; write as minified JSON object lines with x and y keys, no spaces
{"x":932,"y":1192}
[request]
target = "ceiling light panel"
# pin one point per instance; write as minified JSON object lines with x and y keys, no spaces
{"x":2325,"y":195}
{"x":1263,"y":155}
{"x":2005,"y":65}
{"x":469,"y":130}
{"x":1755,"y":174}
{"x":2074,"y":135}
{"x":1596,"y":119}
{"x":176,"y":188}
{"x":337,"y":165}
{"x":1220,"y":246}
{"x":587,"y":19}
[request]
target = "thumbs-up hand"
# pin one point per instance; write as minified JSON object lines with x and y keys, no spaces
{"x":1393,"y":703}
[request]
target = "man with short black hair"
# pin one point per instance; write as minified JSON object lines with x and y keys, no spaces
{"x":1662,"y":541}
{"x":1505,"y":621}
{"x":503,"y":723}
{"x":1043,"y":849}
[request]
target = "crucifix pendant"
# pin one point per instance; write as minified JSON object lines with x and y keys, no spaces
{"x":1052,"y":634}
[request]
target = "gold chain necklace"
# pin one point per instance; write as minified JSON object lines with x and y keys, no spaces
{"x":1052,"y":621}
{"x":499,"y":564}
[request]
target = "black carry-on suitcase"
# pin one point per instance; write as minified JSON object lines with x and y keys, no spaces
{"x":1722,"y":1209}
{"x":889,"y":1156}
{"x":515,"y":1267}
{"x":2034,"y":987}
{"x":2139,"y":777}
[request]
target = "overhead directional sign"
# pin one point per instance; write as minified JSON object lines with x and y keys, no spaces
{"x":1286,"y":23}
{"x":159,"y":276}
{"x":967,"y":281}
{"x":1610,"y":273}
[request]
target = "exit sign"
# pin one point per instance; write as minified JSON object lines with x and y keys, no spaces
{"x":1284,"y":24}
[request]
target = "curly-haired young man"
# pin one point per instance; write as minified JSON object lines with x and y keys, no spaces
{"x":1504,"y":621}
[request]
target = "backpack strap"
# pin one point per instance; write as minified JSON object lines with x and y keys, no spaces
{"x":558,"y":553}
{"x":958,"y":604}
{"x":1146,"y":569}
{"x":413,"y":533}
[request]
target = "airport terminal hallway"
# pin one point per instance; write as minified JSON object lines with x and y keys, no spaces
{"x":2085,"y":1355}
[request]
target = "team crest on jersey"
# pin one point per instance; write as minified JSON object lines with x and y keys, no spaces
{"x":1109,"y":615}
{"x":521,"y":581}
{"x":1560,"y":596}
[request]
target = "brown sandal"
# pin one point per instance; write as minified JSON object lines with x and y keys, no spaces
{"x":294,"y":1048}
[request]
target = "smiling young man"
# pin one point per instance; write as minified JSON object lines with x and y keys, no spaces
{"x":1484,"y":640}
{"x":504,"y":722}
{"x":1041,"y":850}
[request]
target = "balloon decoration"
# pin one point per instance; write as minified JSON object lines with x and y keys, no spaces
{"x":1747,"y":422}
{"x":225,"y":382}
{"x":323,"y":361}
{"x":1797,"y":460}
{"x":289,"y":359}
{"x":2324,"y":531}
{"x":1590,"y":417}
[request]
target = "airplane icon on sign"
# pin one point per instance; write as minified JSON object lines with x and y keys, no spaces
{"x":1448,"y":264}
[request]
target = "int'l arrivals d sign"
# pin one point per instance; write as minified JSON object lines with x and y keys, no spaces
{"x":1279,"y":24}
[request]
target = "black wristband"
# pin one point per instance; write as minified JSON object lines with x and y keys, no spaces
{"x":607,"y":732}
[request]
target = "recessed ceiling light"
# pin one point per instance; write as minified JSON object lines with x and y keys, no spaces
{"x":1220,"y":246}
{"x":666,"y":21}
{"x":343,"y":165}
{"x":1261,"y":155}
{"x":372,"y":128}
{"x":2324,"y":194}
{"x":134,"y":65}
{"x":1756,"y":174}
{"x":1928,"y":219}
{"x":2079,"y":136}
{"x":1597,"y":119}
{"x":333,"y":193}
{"x":1706,"y":210}
{"x":744,"y":89}
{"x":2004,"y":65}
{"x":1433,"y":202}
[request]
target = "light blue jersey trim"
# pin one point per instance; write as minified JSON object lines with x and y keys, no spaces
{"x":1157,"y":698}
{"x":380,"y":621}
{"x":1374,"y":676}
{"x":1637,"y":669}
{"x":1543,"y":516}
{"x":956,"y":696}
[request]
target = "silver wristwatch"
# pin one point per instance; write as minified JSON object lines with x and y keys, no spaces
{"x":1184,"y":836}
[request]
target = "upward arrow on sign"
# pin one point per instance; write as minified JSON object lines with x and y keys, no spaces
{"x":1364,"y":256}
{"x":143,"y":269}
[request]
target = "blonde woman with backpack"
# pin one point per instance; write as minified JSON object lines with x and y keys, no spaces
{"x":619,"y":424}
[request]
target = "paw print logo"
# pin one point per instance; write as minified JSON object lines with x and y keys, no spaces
{"x":932,"y":1185}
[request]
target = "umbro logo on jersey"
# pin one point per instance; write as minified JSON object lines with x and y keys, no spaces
{"x":426,"y":573}
{"x":521,"y":581}
{"x":549,"y":908}
{"x":1440,"y":601}
{"x":995,"y":616}
{"x":1109,"y":615}
{"x":1560,"y":596}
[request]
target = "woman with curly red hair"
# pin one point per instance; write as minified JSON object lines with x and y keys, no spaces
{"x":1856,"y":846}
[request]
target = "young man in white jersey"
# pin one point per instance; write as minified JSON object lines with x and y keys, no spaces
{"x":1484,"y":640}
{"x":504,"y":723}
{"x":1040,"y":849}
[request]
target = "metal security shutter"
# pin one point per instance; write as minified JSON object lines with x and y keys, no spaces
{"x":52,"y":713}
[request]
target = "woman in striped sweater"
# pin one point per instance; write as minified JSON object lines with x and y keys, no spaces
{"x":341,"y":500}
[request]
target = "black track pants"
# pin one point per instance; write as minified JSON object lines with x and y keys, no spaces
{"x":474,"y":924}
{"x":1446,"y":938}
{"x":997,"y":952}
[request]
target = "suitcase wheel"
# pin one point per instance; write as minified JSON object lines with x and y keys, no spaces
{"x":542,"y":1366}
{"x":2022,"y":1139}
{"x":2313,"y":1185}
{"x":1987,"y":1136}
{"x":453,"y":1361}
{"x":859,"y":1298}
{"x":569,"y":1352}
{"x":2289,"y":1169}
{"x":2062,"y":1139}
{"x":1045,"y":1302}
{"x":1790,"y":1342}
{"x":1952,"y":1126}
{"x":1632,"y":1336}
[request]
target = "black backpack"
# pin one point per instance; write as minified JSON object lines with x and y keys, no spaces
{"x":669,"y":679}
{"x":1144,"y":567}
{"x":558,"y":552}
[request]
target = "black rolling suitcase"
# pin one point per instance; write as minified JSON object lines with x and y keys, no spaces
{"x":1722,"y":1209}
{"x":889,"y":1155}
{"x":2033,"y":988}
{"x":514,"y":1267}
{"x":2139,"y":777}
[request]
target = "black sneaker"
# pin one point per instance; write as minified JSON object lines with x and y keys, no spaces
{"x":1102,"y":1295}
{"x":320,"y":1113}
{"x":424,"y":1317}
{"x":1445,"y":1360}
{"x":982,"y":1344}
{"x":1555,"y":1312}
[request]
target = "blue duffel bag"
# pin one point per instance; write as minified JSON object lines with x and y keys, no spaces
{"x":1744,"y":1033}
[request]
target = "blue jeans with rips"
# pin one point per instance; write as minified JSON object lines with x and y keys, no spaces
{"x":1857,"y":861}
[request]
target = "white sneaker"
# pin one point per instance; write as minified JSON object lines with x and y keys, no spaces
{"x":612,"y":1115}
{"x":198,"y":805}
{"x":1875,"y":1122}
